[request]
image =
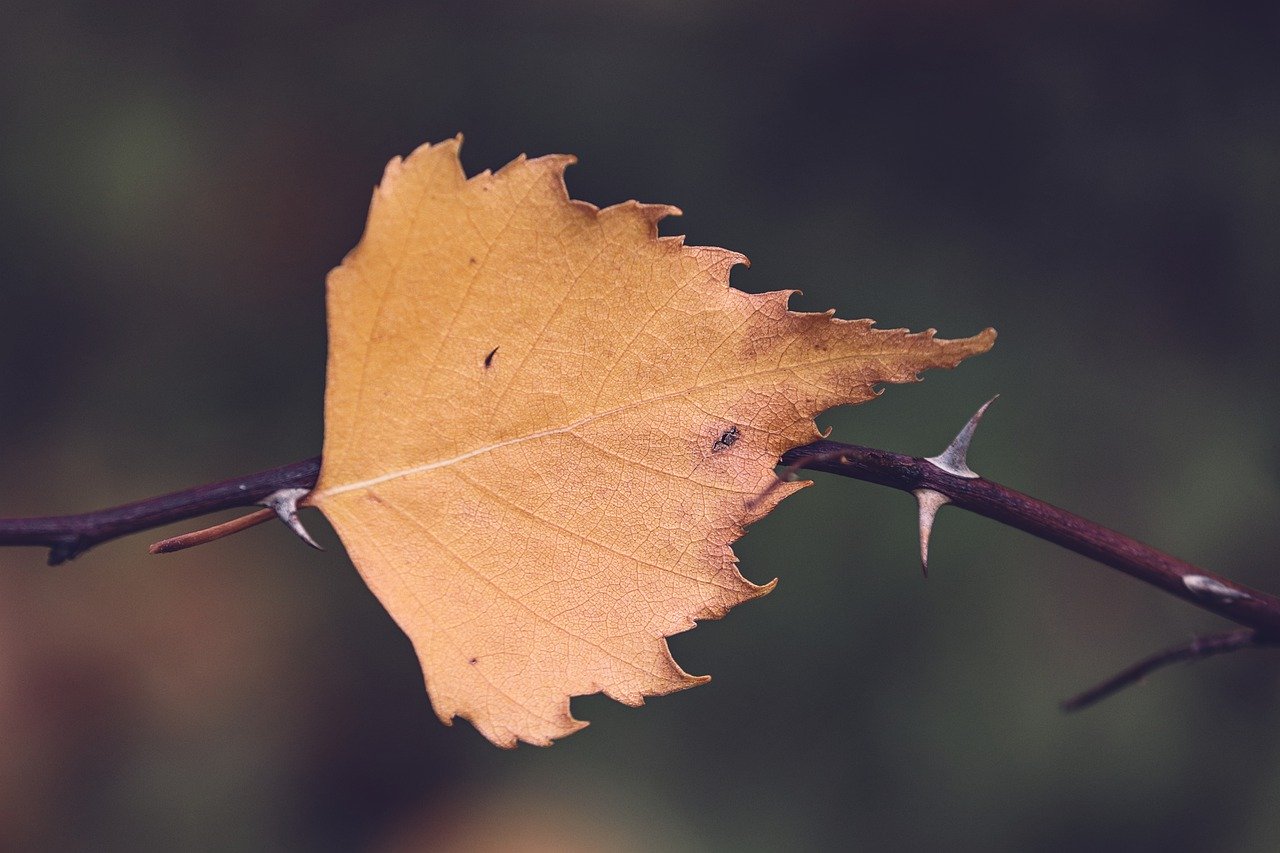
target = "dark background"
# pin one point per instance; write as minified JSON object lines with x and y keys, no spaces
{"x":1101,"y":182}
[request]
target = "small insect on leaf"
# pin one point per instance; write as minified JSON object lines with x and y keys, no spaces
{"x":727,"y":439}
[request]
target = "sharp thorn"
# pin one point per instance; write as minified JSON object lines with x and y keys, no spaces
{"x":954,"y":460}
{"x":1210,"y":588}
{"x":930,"y":502}
{"x":285,"y":504}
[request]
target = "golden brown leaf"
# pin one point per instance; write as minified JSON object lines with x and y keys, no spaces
{"x":545,"y":425}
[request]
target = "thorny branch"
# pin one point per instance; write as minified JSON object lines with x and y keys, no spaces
{"x":68,"y":536}
{"x":935,"y":481}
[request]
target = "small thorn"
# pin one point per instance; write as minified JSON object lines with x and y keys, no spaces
{"x":285,"y":504}
{"x":1207,"y":586}
{"x":930,"y":502}
{"x":953,"y":460}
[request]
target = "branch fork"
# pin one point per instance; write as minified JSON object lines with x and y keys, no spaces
{"x":941,"y":481}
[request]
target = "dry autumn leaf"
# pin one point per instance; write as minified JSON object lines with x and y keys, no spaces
{"x":545,"y":425}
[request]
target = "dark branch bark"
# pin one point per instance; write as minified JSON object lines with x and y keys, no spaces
{"x":67,"y":536}
{"x":1239,"y":604}
{"x":1258,"y":612}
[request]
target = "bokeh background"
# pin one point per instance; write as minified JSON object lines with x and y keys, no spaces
{"x":1101,"y":182}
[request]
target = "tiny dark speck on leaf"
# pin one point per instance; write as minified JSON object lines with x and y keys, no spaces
{"x":488,"y":359}
{"x":726,"y":440}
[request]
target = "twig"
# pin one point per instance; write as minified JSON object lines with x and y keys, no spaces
{"x":934,"y":481}
{"x":947,"y":478}
{"x":1240,"y":604}
{"x":211,"y":534}
{"x":70,"y":535}
{"x":1197,"y":649}
{"x":67,"y":536}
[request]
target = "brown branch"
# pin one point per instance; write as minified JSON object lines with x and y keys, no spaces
{"x":1258,"y":612}
{"x":67,"y":536}
{"x":1235,"y":602}
{"x":1197,"y":649}
{"x":211,"y":534}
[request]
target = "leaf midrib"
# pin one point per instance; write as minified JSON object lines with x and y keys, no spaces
{"x":561,"y":430}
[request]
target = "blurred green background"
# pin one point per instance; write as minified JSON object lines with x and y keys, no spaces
{"x":1101,"y":182}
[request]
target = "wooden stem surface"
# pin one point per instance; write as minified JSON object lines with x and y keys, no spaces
{"x":67,"y":536}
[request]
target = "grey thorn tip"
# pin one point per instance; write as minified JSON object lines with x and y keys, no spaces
{"x":1207,"y":586}
{"x":285,"y":504}
{"x":930,"y":502}
{"x":954,"y":460}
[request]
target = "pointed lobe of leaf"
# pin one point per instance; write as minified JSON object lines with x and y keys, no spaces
{"x":545,"y":425}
